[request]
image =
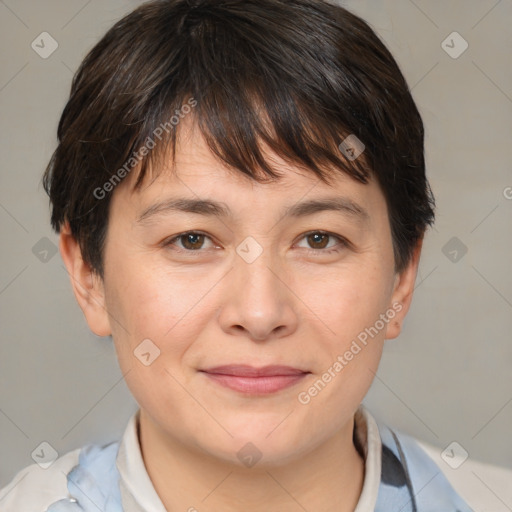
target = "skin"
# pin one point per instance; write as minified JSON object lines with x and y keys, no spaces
{"x":210,"y":307}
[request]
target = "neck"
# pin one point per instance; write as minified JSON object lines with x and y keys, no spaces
{"x":328,"y":478}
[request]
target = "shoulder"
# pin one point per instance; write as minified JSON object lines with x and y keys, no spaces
{"x":427,"y":486}
{"x":34,"y":488}
{"x":484,"y":486}
{"x":446,"y":478}
{"x":87,"y":474}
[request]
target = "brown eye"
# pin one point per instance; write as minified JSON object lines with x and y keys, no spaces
{"x":192,"y":241}
{"x":322,"y":242}
{"x":318,"y":240}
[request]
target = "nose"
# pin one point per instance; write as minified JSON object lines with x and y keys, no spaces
{"x":259,"y":303}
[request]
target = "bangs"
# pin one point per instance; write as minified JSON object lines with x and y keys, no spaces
{"x":237,"y":135}
{"x":249,"y":98}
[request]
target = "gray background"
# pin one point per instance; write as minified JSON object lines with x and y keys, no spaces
{"x":447,"y":378}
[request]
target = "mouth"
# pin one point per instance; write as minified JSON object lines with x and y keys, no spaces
{"x":255,"y":381}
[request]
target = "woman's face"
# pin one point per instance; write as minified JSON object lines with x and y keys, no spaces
{"x":264,"y":276}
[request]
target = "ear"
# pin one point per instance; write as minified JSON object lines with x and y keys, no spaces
{"x":402,"y":293}
{"x":87,"y":285}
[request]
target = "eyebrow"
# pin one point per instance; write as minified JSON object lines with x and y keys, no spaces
{"x":208,"y":207}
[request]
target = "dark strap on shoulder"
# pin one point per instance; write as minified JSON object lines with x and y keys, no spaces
{"x":406,"y":472}
{"x":396,"y":487}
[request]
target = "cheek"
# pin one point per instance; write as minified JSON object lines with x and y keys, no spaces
{"x":347,"y":301}
{"x":159,"y":308}
{"x":169,"y":309}
{"x":348,"y":307}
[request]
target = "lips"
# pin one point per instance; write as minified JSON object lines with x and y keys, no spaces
{"x":255,"y":381}
{"x":250,"y":371}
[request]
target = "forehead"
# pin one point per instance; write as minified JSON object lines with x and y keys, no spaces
{"x":197,"y":173}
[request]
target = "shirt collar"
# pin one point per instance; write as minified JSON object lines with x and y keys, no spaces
{"x":367,"y":436}
{"x":137,"y":491}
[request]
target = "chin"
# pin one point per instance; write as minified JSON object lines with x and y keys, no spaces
{"x":257,"y":453}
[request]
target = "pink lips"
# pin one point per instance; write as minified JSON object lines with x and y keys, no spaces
{"x":248,"y":379}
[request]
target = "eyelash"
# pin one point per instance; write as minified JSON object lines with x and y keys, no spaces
{"x":341,"y":242}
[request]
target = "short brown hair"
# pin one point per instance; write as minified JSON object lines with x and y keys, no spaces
{"x":299,"y":75}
